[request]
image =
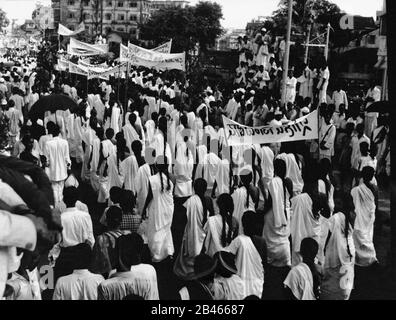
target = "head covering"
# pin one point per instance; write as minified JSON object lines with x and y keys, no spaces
{"x":245,"y":170}
{"x":204,"y":265}
{"x":2,"y":80}
{"x":305,"y":110}
{"x":227,"y":261}
{"x":40,"y":122}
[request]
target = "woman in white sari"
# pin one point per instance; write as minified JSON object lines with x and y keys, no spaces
{"x":248,"y":257}
{"x":276,"y":230}
{"x":337,"y":282}
{"x":304,"y":224}
{"x":160,"y":206}
{"x":183,"y":170}
{"x":194,"y":234}
{"x":222,"y":228}
{"x":107,"y":149}
{"x":293,"y":171}
{"x":365,"y":198}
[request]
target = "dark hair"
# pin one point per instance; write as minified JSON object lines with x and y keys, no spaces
{"x":309,"y":249}
{"x":200,"y":187}
{"x":163,"y":126}
{"x":324,"y":169}
{"x":115,"y":194}
{"x":114,"y":217}
{"x":162,"y":165}
{"x":70,"y":196}
{"x":109,"y":133}
{"x":83,"y":257}
{"x":250,"y":223}
{"x":226,"y":208}
{"x":246,"y":180}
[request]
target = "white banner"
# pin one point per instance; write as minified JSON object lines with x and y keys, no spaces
{"x":63,"y":31}
{"x":304,"y":128}
{"x":75,"y":68}
{"x":63,"y":65}
{"x":104,"y":74}
{"x":124,"y":53}
{"x":164,"y":48}
{"x":99,"y":67}
{"x":79,"y":48}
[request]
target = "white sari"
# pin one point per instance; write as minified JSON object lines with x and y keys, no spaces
{"x":277,"y":226}
{"x":193,"y":239}
{"x":249,"y":265}
{"x":160,"y":215}
{"x":303,"y":224}
{"x":337,"y":282}
{"x":364,"y":201}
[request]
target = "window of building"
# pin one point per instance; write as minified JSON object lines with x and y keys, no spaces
{"x":108,"y":16}
{"x":121,"y":17}
{"x":133,"y":4}
{"x":120,"y":4}
{"x":86,"y":16}
{"x":109,"y":3}
{"x":86,"y":3}
{"x":70,"y":2}
{"x":133,"y":17}
{"x":121,"y":29}
{"x":71,"y":15}
{"x":132,"y":31}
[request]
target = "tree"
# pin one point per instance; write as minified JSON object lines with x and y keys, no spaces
{"x":4,"y":21}
{"x":186,"y":26}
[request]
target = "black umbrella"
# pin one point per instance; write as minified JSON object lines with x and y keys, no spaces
{"x":52,"y":103}
{"x":380,"y":107}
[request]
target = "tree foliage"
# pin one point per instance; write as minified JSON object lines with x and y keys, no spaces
{"x":4,"y":21}
{"x":186,"y":26}
{"x":317,"y":14}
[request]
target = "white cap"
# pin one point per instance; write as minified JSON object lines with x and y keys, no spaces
{"x":252,"y":92}
{"x":305,"y":110}
{"x":245,"y":170}
{"x":2,"y":80}
{"x":40,"y":122}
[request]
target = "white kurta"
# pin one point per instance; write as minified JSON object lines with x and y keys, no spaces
{"x":183,"y":171}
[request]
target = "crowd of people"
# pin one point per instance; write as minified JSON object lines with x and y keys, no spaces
{"x":229,"y":222}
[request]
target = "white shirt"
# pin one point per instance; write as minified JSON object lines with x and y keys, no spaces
{"x":57,"y":153}
{"x":338,"y":98}
{"x":141,"y":281}
{"x":80,"y":285}
{"x":77,"y":228}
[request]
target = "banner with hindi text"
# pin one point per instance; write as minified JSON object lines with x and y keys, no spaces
{"x":304,"y":128}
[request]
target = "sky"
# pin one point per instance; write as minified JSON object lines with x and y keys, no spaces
{"x":236,"y":12}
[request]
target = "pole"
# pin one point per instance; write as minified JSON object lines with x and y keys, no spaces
{"x":307,"y":44}
{"x":126,"y":88}
{"x":327,"y":41}
{"x":287,"y":52}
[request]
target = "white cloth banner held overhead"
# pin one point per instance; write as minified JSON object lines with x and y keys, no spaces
{"x":164,"y":48}
{"x":79,"y":48}
{"x":92,"y":73}
{"x":102,"y":66}
{"x":63,"y":31}
{"x":177,"y":61}
{"x":75,"y":68}
{"x":304,"y":128}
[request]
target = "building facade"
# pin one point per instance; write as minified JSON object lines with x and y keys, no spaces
{"x":101,"y":17}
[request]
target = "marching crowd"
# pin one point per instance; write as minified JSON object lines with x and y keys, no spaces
{"x":252,"y":214}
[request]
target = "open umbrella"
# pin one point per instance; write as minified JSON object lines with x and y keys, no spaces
{"x":380,"y":107}
{"x":52,"y":103}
